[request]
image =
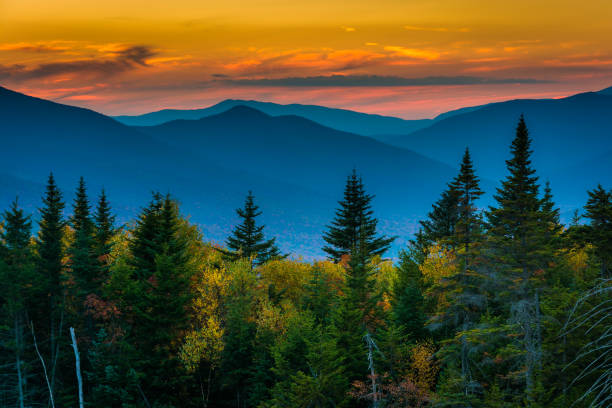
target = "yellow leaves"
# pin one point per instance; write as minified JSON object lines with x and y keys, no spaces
{"x":439,"y":264}
{"x":274,"y":318}
{"x":423,"y":368}
{"x":287,"y":276}
{"x":577,"y":260}
{"x":204,"y":340}
{"x":203,"y":344}
{"x":291,"y":277}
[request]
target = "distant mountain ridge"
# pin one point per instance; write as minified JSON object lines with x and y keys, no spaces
{"x":295,"y":167}
{"x":565,"y":132}
{"x":339,"y":119}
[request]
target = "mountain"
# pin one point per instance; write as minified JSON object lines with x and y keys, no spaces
{"x":568,"y":133}
{"x":298,"y":150}
{"x":607,"y":91}
{"x":339,"y":119}
{"x":295,"y":167}
{"x":318,"y":158}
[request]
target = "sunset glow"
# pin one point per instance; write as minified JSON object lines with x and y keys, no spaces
{"x":405,"y":58}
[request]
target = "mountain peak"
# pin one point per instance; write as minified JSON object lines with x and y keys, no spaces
{"x":243,"y":112}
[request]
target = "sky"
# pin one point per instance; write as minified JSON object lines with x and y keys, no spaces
{"x":406,"y":58}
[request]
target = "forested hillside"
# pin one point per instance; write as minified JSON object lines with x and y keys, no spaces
{"x":501,"y":307}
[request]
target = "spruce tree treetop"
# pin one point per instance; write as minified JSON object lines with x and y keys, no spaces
{"x":354,"y":223}
{"x":247,"y":239}
{"x":517,"y":199}
{"x":50,"y":247}
{"x":143,"y":243}
{"x":104,"y":223}
{"x":17,"y":228}
{"x":467,"y":184}
{"x":81,"y":219}
{"x":83,"y":258}
{"x":468,"y":225}
{"x":517,"y":233}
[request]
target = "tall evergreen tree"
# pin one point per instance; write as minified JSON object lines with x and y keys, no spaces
{"x":49,"y":260}
{"x":104,"y":222}
{"x":518,"y":238}
{"x":18,"y":285}
{"x":238,"y":361}
{"x":160,"y":306}
{"x":354,"y":223}
{"x":247,"y":239}
{"x":357,"y":314}
{"x":468,"y":224}
{"x":144,"y":243}
{"x":83,"y":263}
{"x":407,"y":300}
{"x":515,"y":226}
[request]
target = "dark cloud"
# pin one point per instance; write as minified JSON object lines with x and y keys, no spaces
{"x":123,"y":60}
{"x":375,"y":80}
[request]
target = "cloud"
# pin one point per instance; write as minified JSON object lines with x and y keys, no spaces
{"x":437,"y":29}
{"x":34,"y":47}
{"x":121,"y":60}
{"x":375,"y":80}
{"x":415,"y":53}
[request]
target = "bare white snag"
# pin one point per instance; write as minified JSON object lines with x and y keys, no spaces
{"x":18,"y":362}
{"x":42,"y":361}
{"x":78,"y":366}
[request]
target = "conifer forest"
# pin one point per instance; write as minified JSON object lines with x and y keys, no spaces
{"x":502,"y":306}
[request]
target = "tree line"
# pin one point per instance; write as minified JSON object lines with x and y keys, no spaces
{"x":495,"y":307}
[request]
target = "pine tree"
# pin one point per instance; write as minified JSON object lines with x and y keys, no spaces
{"x":598,"y":210}
{"x":160,"y":306}
{"x":83,"y":263}
{"x":18,"y":286}
{"x":144,"y":244}
{"x":49,"y":260}
{"x":515,"y":226}
{"x":441,"y":222}
{"x":468,"y":226}
{"x":104,"y":232}
{"x":240,"y":332}
{"x":357,"y":313}
{"x":518,"y":240}
{"x":354,"y":222}
{"x":247,"y":239}
{"x":407,"y":301}
{"x":81,"y":219}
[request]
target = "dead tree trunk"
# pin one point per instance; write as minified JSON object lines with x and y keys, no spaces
{"x":78,"y":366}
{"x":42,"y":361}
{"x":18,"y":346}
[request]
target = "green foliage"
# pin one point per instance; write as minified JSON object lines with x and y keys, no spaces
{"x":508,"y":313}
{"x":407,"y":302}
{"x":160,"y":304}
{"x":598,"y":232}
{"x":354,"y":222}
{"x":247,"y":239}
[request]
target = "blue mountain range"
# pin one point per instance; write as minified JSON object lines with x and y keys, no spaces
{"x":295,"y":164}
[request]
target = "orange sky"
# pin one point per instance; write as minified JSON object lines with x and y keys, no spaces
{"x":411,"y":58}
